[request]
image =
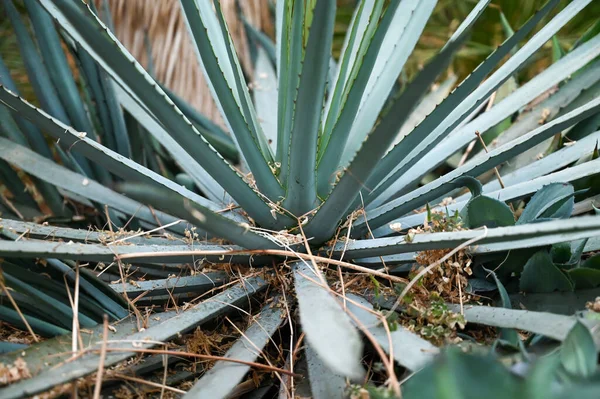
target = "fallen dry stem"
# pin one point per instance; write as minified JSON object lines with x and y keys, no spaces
{"x":98,"y":386}
{"x":275,"y":252}
{"x":197,"y":356}
{"x":389,"y":366}
{"x":16,"y":307}
{"x":150,"y":383}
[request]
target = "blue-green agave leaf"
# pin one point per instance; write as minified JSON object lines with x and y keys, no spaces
{"x":329,"y":330}
{"x":223,"y":377}
{"x":470,"y":94}
{"x":409,"y":350}
{"x":541,"y":275}
{"x":225,"y":77}
{"x":301,"y":194}
{"x":90,"y":33}
{"x":164,"y":331}
{"x":578,"y":354}
{"x":438,"y":187}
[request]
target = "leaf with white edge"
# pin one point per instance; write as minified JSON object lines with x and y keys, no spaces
{"x":346,"y":192}
{"x":164,"y":331}
{"x":301,"y":181}
{"x":198,"y":284}
{"x":516,"y":187}
{"x":547,"y":110}
{"x":425,"y":107}
{"x":398,"y":29}
{"x":362,"y":26}
{"x":354,"y":73}
{"x":212,"y":222}
{"x":329,"y":330}
{"x":89,"y":32}
{"x":410,"y":350}
{"x":77,"y":184}
{"x":290,"y":20}
{"x":442,"y":185}
{"x":139,"y":253}
{"x":30,"y":230}
{"x":224,"y":76}
{"x":214,"y":134}
{"x":461,"y":137}
{"x":400,"y":39}
{"x":206,"y":182}
{"x":578,"y":353}
{"x":224,"y":376}
{"x":412,"y":165}
{"x":547,"y":232}
{"x":127,"y":168}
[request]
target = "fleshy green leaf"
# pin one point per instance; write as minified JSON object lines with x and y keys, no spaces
{"x":181,"y":323}
{"x":410,"y":350}
{"x":486,"y":211}
{"x":541,"y":275}
{"x":578,"y":353}
{"x":223,"y":377}
{"x":328,"y":328}
{"x":301,"y":193}
{"x":544,"y":199}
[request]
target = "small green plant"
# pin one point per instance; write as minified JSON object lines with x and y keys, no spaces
{"x":320,"y":179}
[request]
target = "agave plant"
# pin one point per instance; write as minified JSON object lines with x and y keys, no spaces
{"x":314,"y":209}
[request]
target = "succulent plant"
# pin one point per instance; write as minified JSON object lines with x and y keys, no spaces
{"x":315,"y":206}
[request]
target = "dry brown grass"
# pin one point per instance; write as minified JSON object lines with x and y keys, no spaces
{"x":173,"y":53}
